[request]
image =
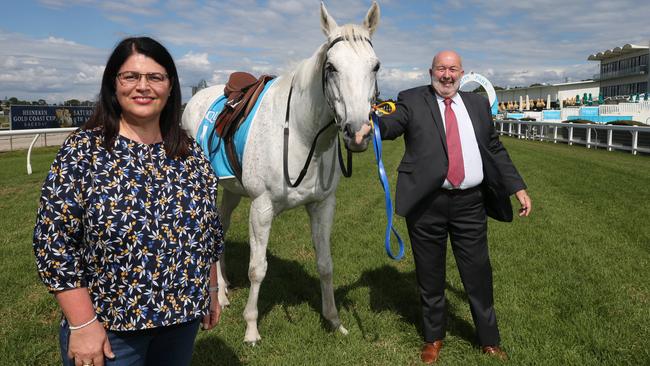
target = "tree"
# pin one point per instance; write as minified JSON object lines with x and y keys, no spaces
{"x":72,"y":103}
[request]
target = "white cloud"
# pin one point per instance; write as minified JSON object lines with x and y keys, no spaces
{"x":53,"y":68}
{"x":89,"y":74}
{"x":287,"y":6}
{"x":10,"y":62}
{"x":194,"y":61}
{"x":59,"y":41}
{"x":392,"y":80}
{"x":509,"y":41}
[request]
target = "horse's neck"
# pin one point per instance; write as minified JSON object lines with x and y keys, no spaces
{"x":309,"y":109}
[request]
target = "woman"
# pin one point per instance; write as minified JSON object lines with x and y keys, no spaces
{"x":127,"y":233}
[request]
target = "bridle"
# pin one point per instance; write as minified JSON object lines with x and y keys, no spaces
{"x":347,"y":172}
{"x":324,"y":73}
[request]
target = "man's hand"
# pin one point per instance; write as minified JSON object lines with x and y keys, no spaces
{"x":525,"y":202}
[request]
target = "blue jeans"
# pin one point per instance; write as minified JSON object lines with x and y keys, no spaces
{"x":171,"y":345}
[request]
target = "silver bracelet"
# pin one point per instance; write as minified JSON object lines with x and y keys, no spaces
{"x":213,"y":289}
{"x":71,"y":327}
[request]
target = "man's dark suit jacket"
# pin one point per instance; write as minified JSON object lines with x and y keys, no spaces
{"x":423,"y":168}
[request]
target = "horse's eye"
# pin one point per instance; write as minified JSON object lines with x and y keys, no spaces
{"x":376,"y":68}
{"x":330,"y":68}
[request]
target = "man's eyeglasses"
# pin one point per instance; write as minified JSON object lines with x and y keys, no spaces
{"x":130,"y":78}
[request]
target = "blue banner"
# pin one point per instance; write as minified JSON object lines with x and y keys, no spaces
{"x":589,"y":111}
{"x":29,"y":117}
{"x":552,"y":115}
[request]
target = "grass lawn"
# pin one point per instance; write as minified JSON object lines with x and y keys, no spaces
{"x":572,"y":282}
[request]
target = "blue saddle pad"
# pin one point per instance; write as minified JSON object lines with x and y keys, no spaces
{"x":219,"y":159}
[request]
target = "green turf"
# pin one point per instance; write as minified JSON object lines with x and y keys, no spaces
{"x":572,"y":282}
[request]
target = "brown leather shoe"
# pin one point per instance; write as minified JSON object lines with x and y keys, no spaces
{"x":430,"y":352}
{"x":496,"y":352}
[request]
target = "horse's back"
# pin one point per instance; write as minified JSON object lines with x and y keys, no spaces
{"x":197,"y":107}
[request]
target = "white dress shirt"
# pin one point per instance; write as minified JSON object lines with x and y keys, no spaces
{"x":471,"y":154}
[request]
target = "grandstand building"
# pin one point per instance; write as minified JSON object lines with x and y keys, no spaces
{"x":624,"y":73}
{"x":623,"y":70}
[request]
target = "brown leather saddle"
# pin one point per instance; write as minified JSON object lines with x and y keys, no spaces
{"x":242,"y":91}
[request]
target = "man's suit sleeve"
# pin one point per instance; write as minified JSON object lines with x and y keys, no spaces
{"x":394,"y":125}
{"x":511,"y":179}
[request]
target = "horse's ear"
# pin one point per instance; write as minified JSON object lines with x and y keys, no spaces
{"x":327,"y":23}
{"x":372,"y":18}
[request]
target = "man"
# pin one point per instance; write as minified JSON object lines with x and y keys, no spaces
{"x":454,"y":173}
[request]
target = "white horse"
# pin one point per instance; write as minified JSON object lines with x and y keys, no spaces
{"x":337,"y":83}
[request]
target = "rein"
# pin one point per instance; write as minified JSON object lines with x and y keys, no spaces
{"x":384,"y":180}
{"x":285,"y":150}
{"x":347,"y":172}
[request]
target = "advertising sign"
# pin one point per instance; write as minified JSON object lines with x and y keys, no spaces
{"x":28,"y":117}
{"x":472,"y":79}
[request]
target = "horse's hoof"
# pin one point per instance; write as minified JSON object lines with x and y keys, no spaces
{"x":342,"y":330}
{"x":252,"y":338}
{"x":252,"y":342}
{"x":223,"y":301}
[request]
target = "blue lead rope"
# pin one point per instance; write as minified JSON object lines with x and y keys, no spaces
{"x":384,"y":183}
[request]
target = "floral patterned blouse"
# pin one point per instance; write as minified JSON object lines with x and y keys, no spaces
{"x":138,"y":229}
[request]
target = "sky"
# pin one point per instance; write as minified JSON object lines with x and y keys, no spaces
{"x":56,"y":49}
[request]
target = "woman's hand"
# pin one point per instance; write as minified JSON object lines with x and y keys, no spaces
{"x":211,"y":319}
{"x":89,"y":345}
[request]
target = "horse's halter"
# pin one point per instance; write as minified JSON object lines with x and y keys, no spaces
{"x":347,"y":172}
{"x":324,"y":75}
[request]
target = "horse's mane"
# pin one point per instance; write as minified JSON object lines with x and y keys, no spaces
{"x":355,"y":34}
{"x":352,"y":33}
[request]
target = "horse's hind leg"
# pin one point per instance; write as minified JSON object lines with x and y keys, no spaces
{"x":229,"y":202}
{"x":260,"y":219}
{"x":321,"y":215}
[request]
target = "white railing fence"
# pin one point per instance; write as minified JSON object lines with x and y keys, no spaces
{"x":628,"y":138}
{"x":636,"y":111}
{"x":36,"y":133}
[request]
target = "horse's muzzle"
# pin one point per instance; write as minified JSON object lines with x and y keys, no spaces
{"x":355,"y":141}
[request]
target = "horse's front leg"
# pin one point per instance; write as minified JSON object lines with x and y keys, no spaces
{"x":229,"y":202}
{"x":261,"y":217}
{"x":321,"y":215}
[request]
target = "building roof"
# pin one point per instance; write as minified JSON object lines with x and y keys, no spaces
{"x":577,"y":82}
{"x":615,"y":52}
{"x":550,"y":85}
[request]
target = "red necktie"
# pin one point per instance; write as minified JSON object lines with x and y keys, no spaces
{"x":456,"y":171}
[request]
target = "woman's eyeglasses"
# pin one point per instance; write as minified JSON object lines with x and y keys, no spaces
{"x":130,"y":78}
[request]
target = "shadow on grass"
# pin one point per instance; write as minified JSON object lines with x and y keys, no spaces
{"x":288,"y":284}
{"x":213,"y":351}
{"x":391,"y":290}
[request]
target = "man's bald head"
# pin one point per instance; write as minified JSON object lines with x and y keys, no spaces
{"x":446,"y":71}
{"x":447,"y":55}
